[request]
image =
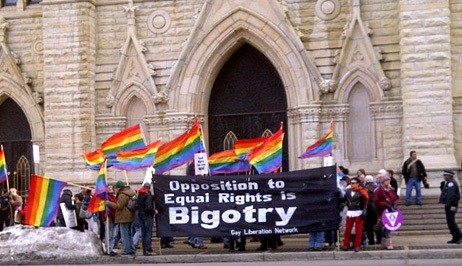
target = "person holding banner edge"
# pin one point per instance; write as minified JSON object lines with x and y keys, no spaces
{"x":385,"y":199}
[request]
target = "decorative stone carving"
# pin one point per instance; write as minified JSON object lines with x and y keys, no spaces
{"x":38,"y":47}
{"x":159,"y":21}
{"x":160,"y":97}
{"x":385,"y":84}
{"x":386,"y":110}
{"x":327,"y":9}
{"x":109,"y":101}
{"x":38,"y":97}
{"x":328,"y":86}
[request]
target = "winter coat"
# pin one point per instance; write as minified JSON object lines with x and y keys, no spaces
{"x":450,"y":194}
{"x":422,"y":174}
{"x":122,"y":213}
{"x":358,"y":201}
{"x":384,"y":198}
{"x":145,"y":204}
{"x":66,"y":197}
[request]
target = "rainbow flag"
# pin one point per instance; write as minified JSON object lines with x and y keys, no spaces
{"x":227,"y":162}
{"x":98,"y":201}
{"x":179,"y":150}
{"x":43,"y":201}
{"x":93,"y":159}
{"x":3,"y":168}
{"x":243,"y":146}
{"x":128,"y":139}
{"x":139,"y":158}
{"x":321,"y":147}
{"x":267,"y":157}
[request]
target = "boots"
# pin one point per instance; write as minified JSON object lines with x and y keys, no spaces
{"x":389,"y":244}
{"x":383,"y":242}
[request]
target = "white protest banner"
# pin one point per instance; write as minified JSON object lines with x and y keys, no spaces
{"x":201,"y":164}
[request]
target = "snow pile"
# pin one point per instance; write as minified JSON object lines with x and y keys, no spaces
{"x":21,"y":244}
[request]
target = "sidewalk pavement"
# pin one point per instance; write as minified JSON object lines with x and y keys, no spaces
{"x":295,"y":248}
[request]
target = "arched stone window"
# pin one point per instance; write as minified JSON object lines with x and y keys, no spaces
{"x":359,"y":125}
{"x":136,"y":110}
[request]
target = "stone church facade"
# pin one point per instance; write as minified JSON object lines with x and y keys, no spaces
{"x":387,"y":73}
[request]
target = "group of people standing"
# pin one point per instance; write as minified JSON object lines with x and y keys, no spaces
{"x":10,"y":208}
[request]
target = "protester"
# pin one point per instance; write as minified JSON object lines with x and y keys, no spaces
{"x":15,"y":204}
{"x":92,"y":221}
{"x":123,"y":216}
{"x":66,"y":198}
{"x":4,"y":209}
{"x":393,"y":182}
{"x":146,"y":214}
{"x":316,"y":240}
{"x":385,"y":199}
{"x":373,"y":237}
{"x":356,"y":199}
{"x":114,"y":235}
{"x":450,"y":196}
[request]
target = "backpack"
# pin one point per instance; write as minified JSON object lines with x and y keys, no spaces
{"x":132,"y":204}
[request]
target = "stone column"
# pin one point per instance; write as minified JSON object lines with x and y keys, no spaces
{"x":69,"y":43}
{"x":426,"y":82}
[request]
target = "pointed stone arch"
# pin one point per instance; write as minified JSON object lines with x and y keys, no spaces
{"x":133,"y":89}
{"x":349,"y":81}
{"x":190,"y":86}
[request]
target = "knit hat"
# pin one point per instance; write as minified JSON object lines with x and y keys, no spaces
{"x":120,"y":184}
{"x":384,"y":177}
{"x":382,"y":171}
{"x":369,"y":179}
{"x":448,"y":173}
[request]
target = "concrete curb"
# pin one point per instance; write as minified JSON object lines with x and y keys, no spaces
{"x":447,"y":253}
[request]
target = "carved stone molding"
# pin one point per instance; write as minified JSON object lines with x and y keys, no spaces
{"x":387,"y":110}
{"x":328,"y":86}
{"x":105,"y":121}
{"x":335,"y":112}
{"x":172,"y":119}
{"x":305,"y":113}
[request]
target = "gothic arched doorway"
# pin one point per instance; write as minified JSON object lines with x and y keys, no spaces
{"x":15,"y":136}
{"x":247,"y":100}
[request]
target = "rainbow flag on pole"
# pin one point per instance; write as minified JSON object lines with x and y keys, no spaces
{"x":179,"y":150}
{"x":321,"y":147}
{"x":43,"y":201}
{"x":128,"y":139}
{"x":243,"y":146}
{"x":267,"y":157}
{"x":98,"y":201}
{"x":139,"y":158}
{"x":3,"y":168}
{"x":94,"y":159}
{"x":227,"y":162}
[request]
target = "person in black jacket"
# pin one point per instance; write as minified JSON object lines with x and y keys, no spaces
{"x":450,"y":196}
{"x":356,"y":199}
{"x":414,"y":172}
{"x":146,"y":213}
{"x":66,"y":198}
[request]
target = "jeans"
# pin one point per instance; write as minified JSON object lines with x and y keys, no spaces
{"x":137,"y":236}
{"x":316,"y":239}
{"x":413,"y":182}
{"x":125,"y":232}
{"x":146,"y":233}
{"x":115,"y":235}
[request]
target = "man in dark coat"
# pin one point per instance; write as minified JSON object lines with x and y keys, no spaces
{"x":450,"y":196}
{"x":146,"y":213}
{"x":414,"y":172}
{"x":66,"y":198}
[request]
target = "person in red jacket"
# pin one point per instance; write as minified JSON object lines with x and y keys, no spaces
{"x":356,"y":199}
{"x":385,"y":199}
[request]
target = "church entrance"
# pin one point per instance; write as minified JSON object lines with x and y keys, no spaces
{"x":247,"y":101}
{"x":15,"y":136}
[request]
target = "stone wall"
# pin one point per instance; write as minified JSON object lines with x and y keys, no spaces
{"x":71,"y":52}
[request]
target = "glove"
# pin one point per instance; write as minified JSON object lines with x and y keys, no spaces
{"x":442,"y":184}
{"x":453,"y":208}
{"x":425,"y":183}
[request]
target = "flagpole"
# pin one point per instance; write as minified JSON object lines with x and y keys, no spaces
{"x":6,"y":171}
{"x":126,"y":177}
{"x":106,"y":213}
